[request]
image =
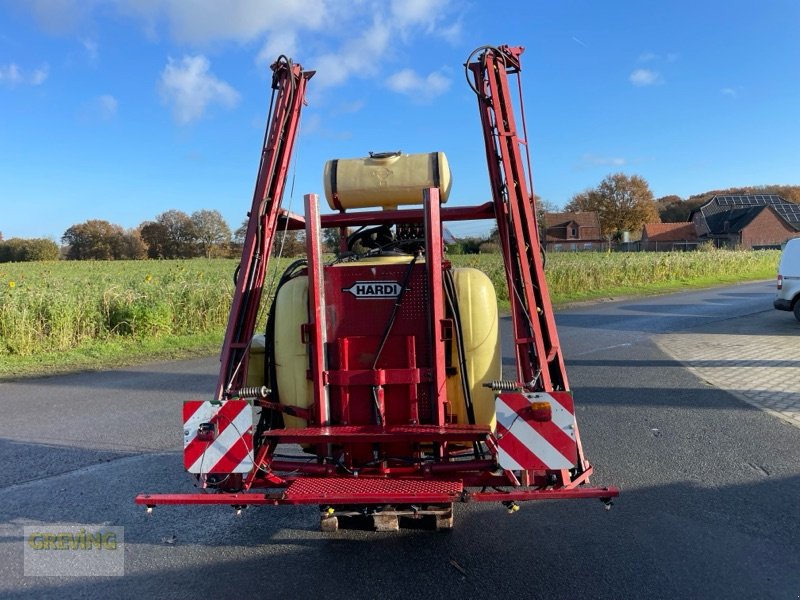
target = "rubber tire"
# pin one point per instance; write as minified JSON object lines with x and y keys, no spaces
{"x":796,"y":310}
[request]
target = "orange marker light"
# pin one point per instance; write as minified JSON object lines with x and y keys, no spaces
{"x":541,"y":411}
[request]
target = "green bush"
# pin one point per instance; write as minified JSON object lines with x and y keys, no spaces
{"x":26,"y":250}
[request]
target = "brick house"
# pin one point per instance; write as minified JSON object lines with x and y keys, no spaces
{"x":572,"y":231}
{"x":668,"y":236}
{"x":747,"y":221}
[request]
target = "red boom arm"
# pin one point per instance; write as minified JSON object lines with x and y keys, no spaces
{"x":289,"y":86}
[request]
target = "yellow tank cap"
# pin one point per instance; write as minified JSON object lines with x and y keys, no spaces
{"x":385,"y":180}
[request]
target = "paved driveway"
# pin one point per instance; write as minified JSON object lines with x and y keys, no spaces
{"x":756,"y":359}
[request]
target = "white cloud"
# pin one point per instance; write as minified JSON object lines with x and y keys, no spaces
{"x":425,"y":13}
{"x":601,"y":161}
{"x":648,"y":56}
{"x":282,"y":42}
{"x":190,"y":87}
{"x":358,"y":55}
{"x":349,"y":107}
{"x":11,"y":75}
{"x":645,"y":77}
{"x":107,"y":106}
{"x":39,"y":75}
{"x":99,"y":108}
{"x":421,"y":89}
{"x":91,"y":49}
{"x":204,"y":21}
{"x":60,"y":16}
{"x":339,"y":38}
{"x":729,"y":92}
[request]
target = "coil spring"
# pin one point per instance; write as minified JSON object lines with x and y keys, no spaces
{"x":502,"y":385}
{"x":254,"y":392}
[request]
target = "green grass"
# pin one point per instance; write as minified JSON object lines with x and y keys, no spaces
{"x":62,"y":316}
{"x":581,"y":276}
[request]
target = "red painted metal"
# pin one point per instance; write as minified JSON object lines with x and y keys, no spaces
{"x":378,"y":434}
{"x":403,"y":217}
{"x":363,"y":490}
{"x":316,"y":303}
{"x":340,"y":490}
{"x":550,"y":494}
{"x":376,"y":377}
{"x":289,"y":84}
{"x":433,"y":263}
{"x":538,"y":351}
{"x":379,"y":405}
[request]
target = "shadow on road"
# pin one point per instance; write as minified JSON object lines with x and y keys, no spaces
{"x":682,"y":540}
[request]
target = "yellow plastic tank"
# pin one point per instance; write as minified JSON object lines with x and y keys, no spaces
{"x":385,"y":180}
{"x":477,"y":304}
{"x":477,"y":307}
{"x":291,"y":354}
{"x":255,"y":362}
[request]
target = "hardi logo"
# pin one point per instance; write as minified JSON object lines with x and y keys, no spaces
{"x":374,"y":289}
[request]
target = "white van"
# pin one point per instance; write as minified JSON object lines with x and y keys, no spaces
{"x":788,"y":294}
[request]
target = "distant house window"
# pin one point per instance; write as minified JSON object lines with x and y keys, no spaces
{"x":573,"y":247}
{"x":587,"y":246}
{"x":574,"y":232}
{"x":557,"y":247}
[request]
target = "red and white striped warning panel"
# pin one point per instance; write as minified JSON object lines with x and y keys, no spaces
{"x":536,"y":431}
{"x":217,"y":436}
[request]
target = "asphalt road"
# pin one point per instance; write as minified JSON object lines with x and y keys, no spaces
{"x":709,"y":505}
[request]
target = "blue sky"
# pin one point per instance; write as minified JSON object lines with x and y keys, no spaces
{"x":122,"y":109}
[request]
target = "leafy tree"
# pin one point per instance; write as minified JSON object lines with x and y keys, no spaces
{"x":621,"y":202}
{"x":24,"y":250}
{"x":171,"y":235}
{"x":134,"y":247}
{"x":211,"y":231}
{"x":542,"y":208}
{"x":94,"y":240}
{"x":155,"y":236}
{"x":330,"y":240}
{"x":294,"y":244}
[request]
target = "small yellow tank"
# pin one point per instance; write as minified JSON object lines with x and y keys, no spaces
{"x":477,"y":307}
{"x":255,"y":362}
{"x":291,"y":354}
{"x":385,"y":180}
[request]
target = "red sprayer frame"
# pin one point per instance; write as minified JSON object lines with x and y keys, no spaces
{"x":380,"y":431}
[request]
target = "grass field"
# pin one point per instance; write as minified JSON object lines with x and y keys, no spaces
{"x":57,"y":316}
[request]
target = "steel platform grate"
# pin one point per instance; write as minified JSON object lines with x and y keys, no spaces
{"x":362,"y":490}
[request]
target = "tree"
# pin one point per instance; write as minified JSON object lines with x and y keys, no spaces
{"x":542,"y":208}
{"x":211,"y":231}
{"x":671,"y":209}
{"x":171,"y":235}
{"x":94,"y":240}
{"x":24,"y":250}
{"x":293,"y":244}
{"x":621,"y":202}
{"x":155,"y":237}
{"x":134,"y":247}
